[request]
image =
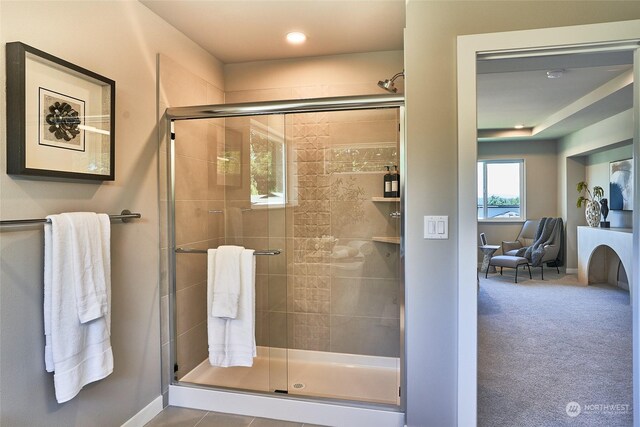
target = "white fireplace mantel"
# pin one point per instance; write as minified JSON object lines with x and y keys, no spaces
{"x":590,"y":238}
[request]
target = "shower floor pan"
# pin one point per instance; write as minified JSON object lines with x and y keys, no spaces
{"x":310,"y":373}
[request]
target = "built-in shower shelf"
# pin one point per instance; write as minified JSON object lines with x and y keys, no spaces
{"x":392,"y":240}
{"x":385,"y":199}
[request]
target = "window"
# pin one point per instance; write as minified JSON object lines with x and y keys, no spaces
{"x":268,"y":165}
{"x":501,"y":190}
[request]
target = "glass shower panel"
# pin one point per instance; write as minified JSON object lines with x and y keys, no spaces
{"x":196,"y":196}
{"x":265,"y":217}
{"x":230,"y":182}
{"x":343,"y":239}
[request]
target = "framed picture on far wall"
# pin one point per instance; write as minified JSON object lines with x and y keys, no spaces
{"x":621,"y":185}
{"x":60,"y":117}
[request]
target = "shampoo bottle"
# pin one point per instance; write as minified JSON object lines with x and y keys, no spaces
{"x":395,"y":183}
{"x":387,"y":182}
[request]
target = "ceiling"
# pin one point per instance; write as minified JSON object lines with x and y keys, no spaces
{"x":254,"y":30}
{"x":593,"y":86}
{"x":511,"y":91}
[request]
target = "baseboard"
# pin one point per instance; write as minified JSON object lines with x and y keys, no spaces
{"x":146,"y":414}
{"x":571,"y":270}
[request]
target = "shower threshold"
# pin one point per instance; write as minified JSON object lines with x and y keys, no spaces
{"x":370,"y":379}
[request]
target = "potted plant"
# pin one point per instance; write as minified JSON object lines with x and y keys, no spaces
{"x":591,"y":201}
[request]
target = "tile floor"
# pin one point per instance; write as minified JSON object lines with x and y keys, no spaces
{"x":173,"y":416}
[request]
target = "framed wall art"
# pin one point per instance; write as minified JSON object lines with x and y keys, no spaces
{"x":621,"y":185}
{"x":60,"y":117}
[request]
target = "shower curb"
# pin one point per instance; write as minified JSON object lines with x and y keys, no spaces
{"x":287,"y":409}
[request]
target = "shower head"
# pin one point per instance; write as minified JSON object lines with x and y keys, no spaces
{"x":388,"y":84}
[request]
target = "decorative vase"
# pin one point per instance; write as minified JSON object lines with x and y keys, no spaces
{"x":592,"y":213}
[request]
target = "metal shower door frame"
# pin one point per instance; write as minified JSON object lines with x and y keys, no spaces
{"x":312,"y":105}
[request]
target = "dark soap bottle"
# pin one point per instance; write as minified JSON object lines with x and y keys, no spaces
{"x":395,"y":182}
{"x":387,"y":183}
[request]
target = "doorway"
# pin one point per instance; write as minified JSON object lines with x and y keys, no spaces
{"x":545,"y":41}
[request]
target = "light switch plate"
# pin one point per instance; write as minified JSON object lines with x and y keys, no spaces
{"x":436,"y":227}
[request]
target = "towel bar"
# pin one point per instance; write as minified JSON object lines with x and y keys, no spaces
{"x":269,"y":252}
{"x":124,"y":216}
{"x":221,"y":211}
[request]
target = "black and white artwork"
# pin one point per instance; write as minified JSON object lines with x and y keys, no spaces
{"x":60,"y":117}
{"x":621,"y":185}
{"x":61,"y":121}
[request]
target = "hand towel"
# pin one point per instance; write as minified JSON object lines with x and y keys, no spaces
{"x":232,"y":341}
{"x":90,"y":241}
{"x":78,"y":353}
{"x":225,"y":275}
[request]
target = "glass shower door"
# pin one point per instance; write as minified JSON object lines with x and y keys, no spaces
{"x":266,"y":221}
{"x":327,"y":308}
{"x":344,"y":242}
{"x":229,"y":189}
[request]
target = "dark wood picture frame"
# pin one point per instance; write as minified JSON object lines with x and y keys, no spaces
{"x":65,"y":128}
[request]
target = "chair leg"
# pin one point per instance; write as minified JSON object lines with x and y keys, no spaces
{"x":542,"y":272}
{"x":501,"y":271}
{"x":529,"y":271}
{"x":557,"y":269}
{"x":516,"y":274}
{"x":487,"y":271}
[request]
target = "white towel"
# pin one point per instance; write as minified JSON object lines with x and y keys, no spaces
{"x":224,"y":278}
{"x":78,"y":353}
{"x":232,"y":341}
{"x":91,"y":242}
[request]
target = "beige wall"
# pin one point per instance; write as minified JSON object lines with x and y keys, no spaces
{"x":590,"y":150}
{"x":119,"y":40}
{"x":572,"y":151}
{"x":431,"y":266}
{"x":541,"y":182}
{"x":337,"y":75}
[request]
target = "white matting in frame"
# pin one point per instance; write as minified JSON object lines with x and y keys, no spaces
{"x":49,"y":156}
{"x":60,"y":117}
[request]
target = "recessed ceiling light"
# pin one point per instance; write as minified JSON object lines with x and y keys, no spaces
{"x":519,"y":126}
{"x":296,"y":37}
{"x":555,"y":74}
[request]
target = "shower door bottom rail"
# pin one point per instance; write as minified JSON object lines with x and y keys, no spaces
{"x":269,"y":252}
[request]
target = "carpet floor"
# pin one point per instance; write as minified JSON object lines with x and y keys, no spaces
{"x":543,"y":345}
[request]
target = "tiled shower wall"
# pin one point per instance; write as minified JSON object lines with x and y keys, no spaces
{"x":333,"y":288}
{"x":334,"y":303}
{"x":343,"y":286}
{"x":197,"y":192}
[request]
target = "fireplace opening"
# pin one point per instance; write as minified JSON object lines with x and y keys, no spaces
{"x":605,"y":267}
